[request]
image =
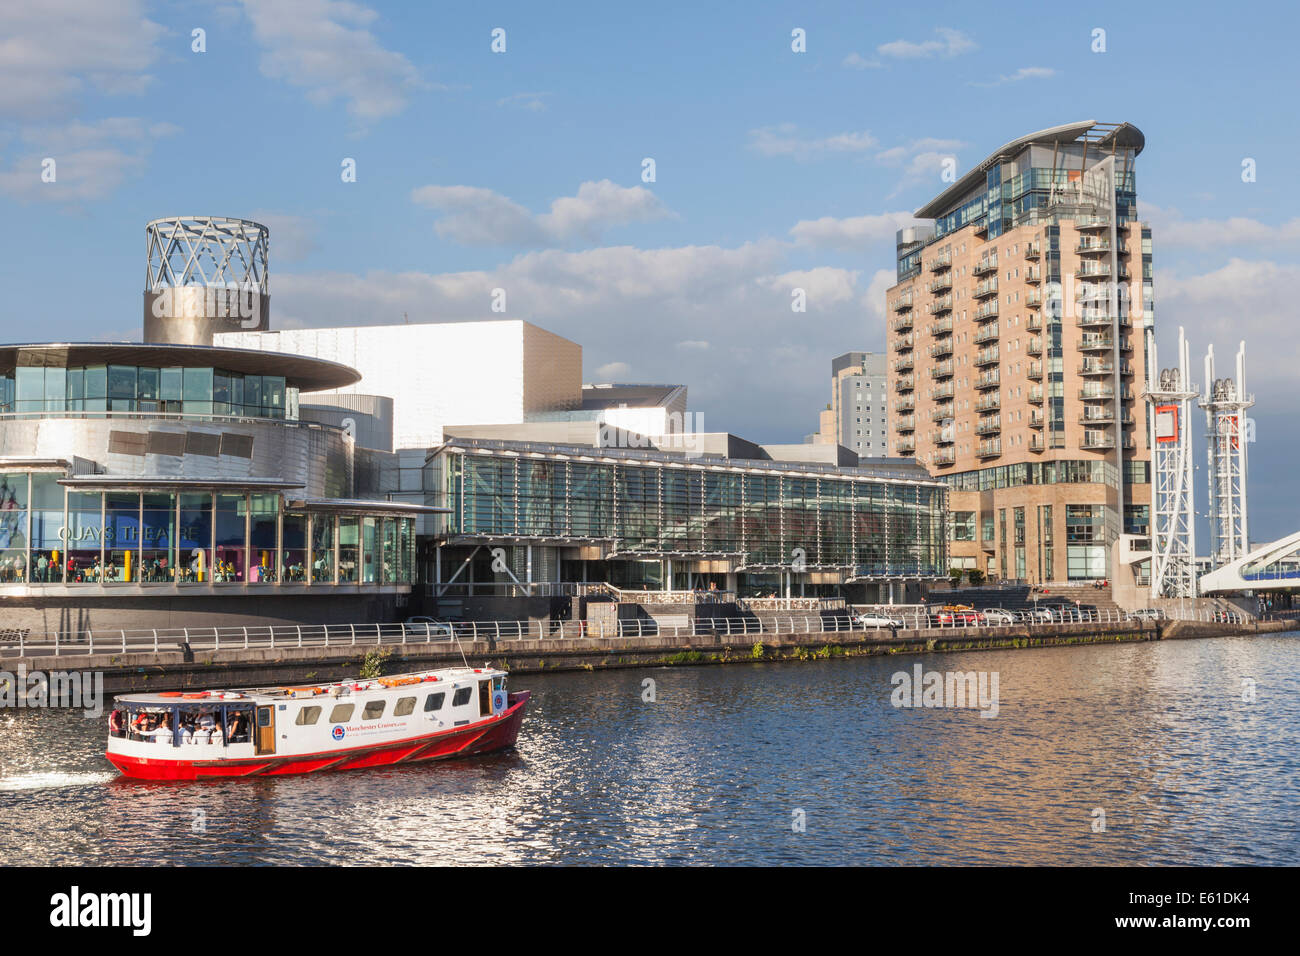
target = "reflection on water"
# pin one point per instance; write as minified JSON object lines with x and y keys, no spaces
{"x":1156,"y":735}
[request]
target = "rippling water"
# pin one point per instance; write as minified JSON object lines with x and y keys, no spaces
{"x":713,"y":771}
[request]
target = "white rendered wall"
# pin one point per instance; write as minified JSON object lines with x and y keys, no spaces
{"x":462,"y":373}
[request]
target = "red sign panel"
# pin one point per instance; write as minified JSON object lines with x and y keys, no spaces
{"x":1166,"y":423}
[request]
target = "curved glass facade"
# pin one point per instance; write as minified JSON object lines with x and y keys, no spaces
{"x":42,"y":390}
{"x":50,"y":534}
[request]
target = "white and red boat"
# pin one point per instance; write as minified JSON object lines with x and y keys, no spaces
{"x":408,"y":718}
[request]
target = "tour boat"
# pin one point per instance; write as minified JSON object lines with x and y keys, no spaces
{"x":378,"y":722}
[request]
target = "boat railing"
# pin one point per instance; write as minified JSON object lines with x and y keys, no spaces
{"x":879,"y":623}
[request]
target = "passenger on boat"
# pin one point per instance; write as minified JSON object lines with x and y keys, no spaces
{"x":208,"y":732}
{"x":115,"y":723}
{"x":239,"y":727}
{"x":187,"y":728}
{"x":142,"y":725}
{"x":162,"y":732}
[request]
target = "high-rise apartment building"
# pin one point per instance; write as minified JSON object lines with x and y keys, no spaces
{"x":857,"y":416}
{"x":1018,"y":333}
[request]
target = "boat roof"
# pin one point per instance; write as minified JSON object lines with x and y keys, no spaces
{"x":255,"y":695}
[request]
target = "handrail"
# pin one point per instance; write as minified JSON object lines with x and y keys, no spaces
{"x":19,"y":642}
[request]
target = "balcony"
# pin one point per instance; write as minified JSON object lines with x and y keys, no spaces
{"x":941,"y":349}
{"x":1034,"y":274}
{"x":940,"y":392}
{"x":989,"y":403}
{"x":1035,"y":371}
{"x":1035,"y":418}
{"x":987,"y":310}
{"x":940,"y":305}
{"x":1036,"y":443}
{"x":986,"y":288}
{"x":1036,"y":395}
{"x":1097,"y":368}
{"x":905,"y":403}
{"x":902,"y":324}
{"x":941,"y":284}
{"x":984,"y":266}
{"x":944,"y":457}
{"x":904,"y":364}
{"x":941,"y":436}
{"x":941,"y":370}
{"x":988,"y":380}
{"x":989,"y":449}
{"x":1034,"y":323}
{"x":1096,"y":343}
{"x":1092,"y":270}
{"x":904,"y":383}
{"x":1093,"y":318}
{"x":940,"y":262}
{"x":986,"y":357}
{"x":1091,"y":223}
{"x":1034,"y":299}
{"x":903,"y":342}
{"x":1091,"y":246}
{"x":989,"y":426}
{"x":905,"y":448}
{"x":941,"y":412}
{"x":1095,"y":392}
{"x":1035,"y":346}
{"x":1097,"y":415}
{"x":905,"y":423}
{"x":941,"y":327}
{"x":902,"y":303}
{"x":1095,"y":441}
{"x":1033,"y":249}
{"x":988,"y":333}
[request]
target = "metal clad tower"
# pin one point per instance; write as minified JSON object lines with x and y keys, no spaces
{"x":1225,"y":403}
{"x":1173,"y":528}
{"x":205,"y":274}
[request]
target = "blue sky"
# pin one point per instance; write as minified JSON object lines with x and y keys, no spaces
{"x":522,"y":170}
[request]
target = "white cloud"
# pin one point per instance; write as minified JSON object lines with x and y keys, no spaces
{"x":534,"y":102}
{"x":784,"y":140}
{"x":613,"y":370}
{"x":90,"y":159}
{"x":693,"y":344}
{"x":762,"y":376}
{"x":477,"y":216}
{"x":1169,"y":228}
{"x":950,"y":43}
{"x":856,"y":61}
{"x":326,"y":48}
{"x":853,"y":233}
{"x":1024,"y":73}
{"x":53,"y":51}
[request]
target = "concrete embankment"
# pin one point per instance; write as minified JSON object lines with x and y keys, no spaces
{"x":177,"y":669}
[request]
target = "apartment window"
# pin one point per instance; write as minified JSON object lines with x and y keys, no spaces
{"x":963,"y":526}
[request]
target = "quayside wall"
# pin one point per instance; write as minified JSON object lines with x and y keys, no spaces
{"x":178,"y":669}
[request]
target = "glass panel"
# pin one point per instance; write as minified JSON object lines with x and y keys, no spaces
{"x":158,"y":531}
{"x":148,"y":384}
{"x":295,"y":548}
{"x":121,"y":388}
{"x":29,"y":384}
{"x":121,"y":537}
{"x":322,"y":548}
{"x":198,"y":391}
{"x":264,"y":559}
{"x":369,"y":551}
{"x":228,"y":564}
{"x":47,"y":525}
{"x":171,"y":385}
{"x":13,"y":530}
{"x":392,"y":561}
{"x":96,"y":388}
{"x":221,"y":393}
{"x":76,"y":389}
{"x":194,"y":540}
{"x":349,"y":541}
{"x":83,"y":537}
{"x":56,"y":385}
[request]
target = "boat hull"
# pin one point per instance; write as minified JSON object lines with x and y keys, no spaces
{"x":485,"y":736}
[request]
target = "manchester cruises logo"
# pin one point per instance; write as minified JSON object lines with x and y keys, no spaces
{"x":337,"y":733}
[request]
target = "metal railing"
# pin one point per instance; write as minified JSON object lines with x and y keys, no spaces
{"x":196,"y":640}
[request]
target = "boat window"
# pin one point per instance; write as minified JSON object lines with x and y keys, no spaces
{"x":373,"y":711}
{"x":342,"y":713}
{"x":434,"y":702}
{"x":462,"y":696}
{"x":484,"y":698}
{"x":404,"y":706}
{"x":308,"y":716}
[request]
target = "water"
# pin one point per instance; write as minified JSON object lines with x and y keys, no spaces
{"x":1155,"y":734}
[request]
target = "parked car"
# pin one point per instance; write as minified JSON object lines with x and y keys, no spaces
{"x":1146,"y":614}
{"x":427,"y":626}
{"x":873,"y":619}
{"x":1037,"y":615}
{"x":956,"y":615}
{"x":997,"y":615}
